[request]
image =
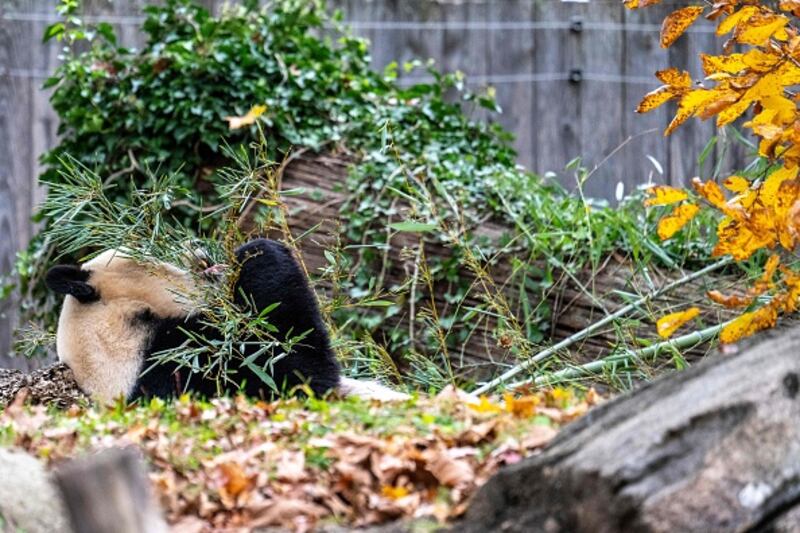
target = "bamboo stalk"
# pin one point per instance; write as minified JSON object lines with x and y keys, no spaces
{"x":549,"y":352}
{"x":691,"y":339}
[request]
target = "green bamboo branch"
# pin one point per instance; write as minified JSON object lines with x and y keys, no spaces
{"x":686,"y":341}
{"x":586,"y":332}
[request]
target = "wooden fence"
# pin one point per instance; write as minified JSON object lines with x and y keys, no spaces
{"x":568,"y":75}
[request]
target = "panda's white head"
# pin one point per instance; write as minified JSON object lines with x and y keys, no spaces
{"x":99,"y":334}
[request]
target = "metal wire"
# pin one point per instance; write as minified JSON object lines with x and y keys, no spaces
{"x":477,"y":79}
{"x":400,"y":25}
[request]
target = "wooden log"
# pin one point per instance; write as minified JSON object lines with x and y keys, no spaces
{"x":322,"y":177}
{"x":714,"y":448}
{"x":109,"y":492}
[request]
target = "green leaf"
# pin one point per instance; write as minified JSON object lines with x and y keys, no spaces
{"x":413,"y":227}
{"x":107,"y":30}
{"x":377,"y":303}
{"x":53,"y":31}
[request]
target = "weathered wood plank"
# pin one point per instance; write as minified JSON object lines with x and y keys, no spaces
{"x":601,"y":100}
{"x":558,"y":101}
{"x":642,"y":56}
{"x":512,"y":54}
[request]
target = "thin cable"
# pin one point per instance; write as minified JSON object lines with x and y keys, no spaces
{"x":402,"y":25}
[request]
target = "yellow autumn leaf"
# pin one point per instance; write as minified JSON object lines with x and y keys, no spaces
{"x":769,"y":190}
{"x":736,"y":184}
{"x":733,"y":20}
{"x":394,"y":493}
{"x":485,"y":405}
{"x":634,"y":4}
{"x":676,"y":23}
{"x":761,"y":60}
{"x":691,"y":103}
{"x":789,"y":5}
{"x":523,"y":407}
{"x":762,"y":27}
{"x":792,"y":295}
{"x":787,"y":211}
{"x":770,"y":267}
{"x":559,"y":397}
{"x":256,"y":111}
{"x":731,"y":301}
{"x":665,"y":195}
{"x":730,"y":64}
{"x":655,"y":99}
{"x":669,"y":324}
{"x":739,"y":241}
{"x":749,"y":323}
{"x":769,"y":84}
{"x":711,"y":192}
{"x":675,"y":78}
{"x":677,"y":219}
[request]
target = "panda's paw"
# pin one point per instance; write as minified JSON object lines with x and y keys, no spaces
{"x":370,"y":390}
{"x":195,"y":257}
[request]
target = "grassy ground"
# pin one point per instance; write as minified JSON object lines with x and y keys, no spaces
{"x":233,"y":462}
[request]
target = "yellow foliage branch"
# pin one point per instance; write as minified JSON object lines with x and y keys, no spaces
{"x":760,"y":215}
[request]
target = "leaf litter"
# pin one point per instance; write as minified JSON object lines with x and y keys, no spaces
{"x":240,"y":464}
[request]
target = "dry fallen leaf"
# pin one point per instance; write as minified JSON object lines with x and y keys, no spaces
{"x":234,"y":480}
{"x":291,"y":466}
{"x":448,"y":471}
{"x":538,"y":436}
{"x":299,"y":515}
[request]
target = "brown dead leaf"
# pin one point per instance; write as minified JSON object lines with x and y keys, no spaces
{"x":538,"y":436}
{"x":189,"y":524}
{"x":477,"y":433}
{"x":448,"y":471}
{"x":291,"y":466}
{"x":235,"y":482}
{"x":296,"y":514}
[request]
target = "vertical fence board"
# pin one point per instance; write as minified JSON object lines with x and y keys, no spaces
{"x":558,"y":101}
{"x":511,"y":53}
{"x":17,"y":169}
{"x":602,"y":103}
{"x":642,"y":56}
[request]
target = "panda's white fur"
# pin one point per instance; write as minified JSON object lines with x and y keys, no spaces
{"x":99,"y":341}
{"x":103,"y":345}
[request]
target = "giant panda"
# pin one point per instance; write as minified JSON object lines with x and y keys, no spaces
{"x":117,"y":312}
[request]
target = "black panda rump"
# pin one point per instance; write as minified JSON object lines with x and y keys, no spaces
{"x":267,"y":273}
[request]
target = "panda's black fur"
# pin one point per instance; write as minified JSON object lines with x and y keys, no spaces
{"x":267,"y":273}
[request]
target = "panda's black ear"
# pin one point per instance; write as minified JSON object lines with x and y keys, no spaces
{"x":68,"y":279}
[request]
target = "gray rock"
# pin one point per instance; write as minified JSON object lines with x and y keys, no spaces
{"x":29,"y":501}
